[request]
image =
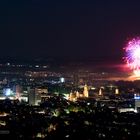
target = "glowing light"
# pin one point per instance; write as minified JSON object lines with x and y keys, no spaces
{"x":7,"y":92}
{"x":136,"y":97}
{"x":133,"y":55}
{"x":62,"y":80}
{"x":137,"y":73}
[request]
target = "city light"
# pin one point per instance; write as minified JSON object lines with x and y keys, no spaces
{"x":7,"y":92}
{"x":62,"y":80}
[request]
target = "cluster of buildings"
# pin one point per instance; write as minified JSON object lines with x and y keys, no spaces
{"x":29,"y":83}
{"x":73,"y":96}
{"x":28,"y":95}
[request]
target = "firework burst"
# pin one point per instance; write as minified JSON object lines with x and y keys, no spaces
{"x":132,"y":57}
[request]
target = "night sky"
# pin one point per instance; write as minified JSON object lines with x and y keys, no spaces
{"x":96,"y":29}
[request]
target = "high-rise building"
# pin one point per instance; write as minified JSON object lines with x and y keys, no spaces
{"x":31,"y":96}
{"x":34,"y":98}
{"x":137,"y":102}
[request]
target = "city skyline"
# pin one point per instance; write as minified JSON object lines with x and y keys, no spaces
{"x":69,"y":69}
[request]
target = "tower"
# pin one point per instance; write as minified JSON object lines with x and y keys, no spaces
{"x":116,"y":91}
{"x":85,"y":92}
{"x":77,"y":94}
{"x":100,"y":91}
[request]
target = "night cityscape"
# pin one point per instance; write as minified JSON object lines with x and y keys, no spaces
{"x":70,"y":70}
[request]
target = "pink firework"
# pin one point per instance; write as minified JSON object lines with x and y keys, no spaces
{"x":133,"y":54}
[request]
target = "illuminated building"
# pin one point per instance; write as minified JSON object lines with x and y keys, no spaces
{"x":62,"y":80}
{"x":100,"y":92}
{"x":41,"y":90}
{"x":85,"y":92}
{"x":37,"y":96}
{"x":116,"y":91}
{"x":20,"y":95}
{"x":41,"y":94}
{"x":72,"y":96}
{"x":18,"y":91}
{"x":34,"y":97}
{"x":77,"y":94}
{"x":137,"y":101}
{"x":31,"y":96}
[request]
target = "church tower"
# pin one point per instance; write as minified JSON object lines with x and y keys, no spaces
{"x":85,"y":92}
{"x":116,"y":91}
